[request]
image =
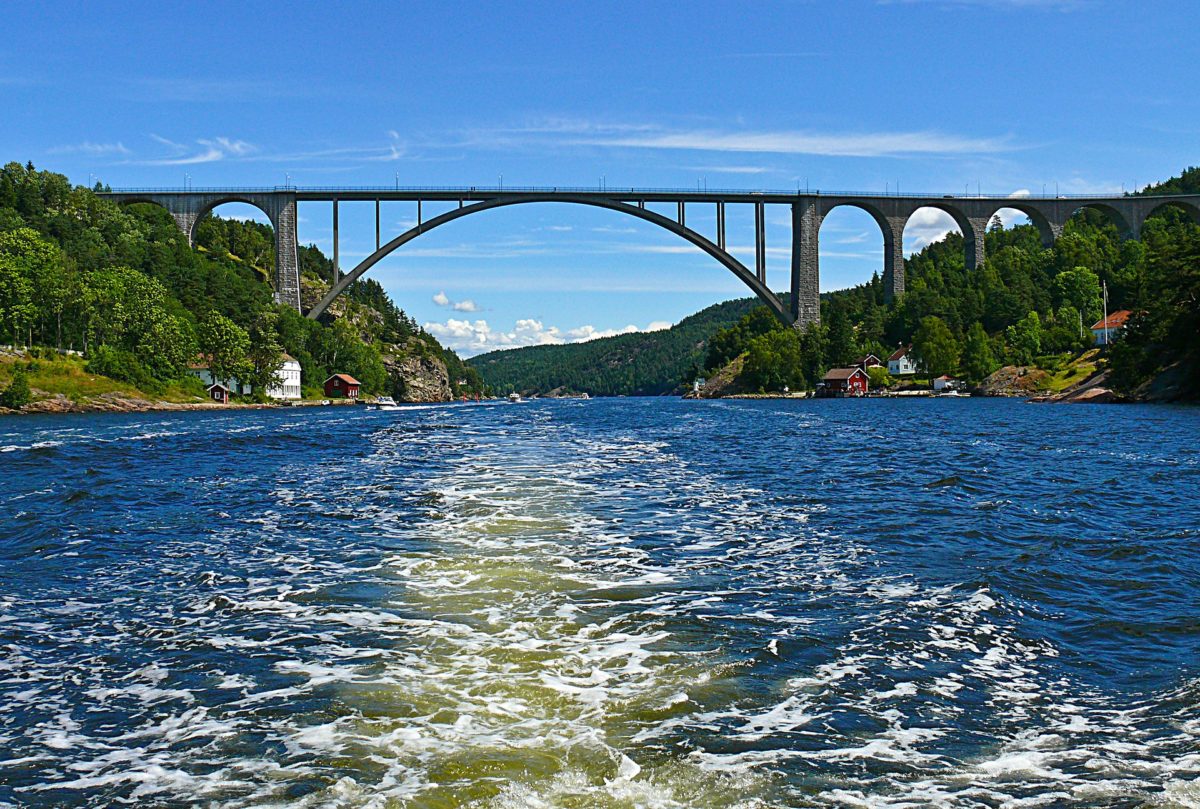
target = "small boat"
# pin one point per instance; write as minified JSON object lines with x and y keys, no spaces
{"x":385,"y":403}
{"x":952,"y":392}
{"x":584,"y":396}
{"x":514,"y":397}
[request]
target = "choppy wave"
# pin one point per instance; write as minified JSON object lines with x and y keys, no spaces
{"x":653,"y":604}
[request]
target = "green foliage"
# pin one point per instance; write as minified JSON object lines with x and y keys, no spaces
{"x":226,"y":348}
{"x":123,"y":284}
{"x":265,"y":355}
{"x":1079,"y":289}
{"x":775,"y":360}
{"x":879,"y":376}
{"x":642,"y":363}
{"x":935,"y":347}
{"x":978,"y":360}
{"x":17,"y":394}
{"x":1024,"y":339}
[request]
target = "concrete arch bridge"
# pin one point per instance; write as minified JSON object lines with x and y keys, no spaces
{"x":807,"y":210}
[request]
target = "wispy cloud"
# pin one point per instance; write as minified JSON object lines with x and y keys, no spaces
{"x":730,"y":169}
{"x":583,"y":133}
{"x":849,"y":144}
{"x":203,"y":150}
{"x":89,"y":148}
{"x":201,"y":90}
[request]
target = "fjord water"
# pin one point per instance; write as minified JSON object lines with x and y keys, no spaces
{"x":612,"y":603}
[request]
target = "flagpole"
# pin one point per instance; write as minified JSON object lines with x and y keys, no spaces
{"x":1104,"y":323}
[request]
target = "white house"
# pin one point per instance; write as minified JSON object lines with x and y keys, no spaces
{"x":901,"y":362}
{"x":288,"y":387}
{"x":1109,"y":331}
{"x":289,"y":380}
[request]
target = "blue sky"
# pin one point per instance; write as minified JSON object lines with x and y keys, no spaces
{"x":1008,"y":96}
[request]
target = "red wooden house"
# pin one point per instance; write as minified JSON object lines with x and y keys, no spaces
{"x":341,"y":386}
{"x":218,"y":393}
{"x":845,"y":382}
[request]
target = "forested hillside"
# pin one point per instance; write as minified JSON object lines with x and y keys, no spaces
{"x":122,"y":286}
{"x":1027,"y":305}
{"x":642,"y":363}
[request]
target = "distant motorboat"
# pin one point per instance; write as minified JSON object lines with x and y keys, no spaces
{"x":953,"y":392}
{"x":514,"y":397}
{"x":584,"y":396}
{"x":385,"y":403}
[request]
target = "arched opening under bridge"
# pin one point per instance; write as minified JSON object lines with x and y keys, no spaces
{"x":686,"y":240}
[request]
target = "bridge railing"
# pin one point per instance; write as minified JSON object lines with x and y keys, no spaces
{"x":612,"y":191}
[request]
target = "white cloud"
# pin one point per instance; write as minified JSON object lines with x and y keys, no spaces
{"x":471,"y":337}
{"x":204,"y":150}
{"x":926,"y":226}
{"x":89,"y":148}
{"x":465,"y":305}
{"x":870,"y":144}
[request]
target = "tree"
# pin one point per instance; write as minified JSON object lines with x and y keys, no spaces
{"x":1079,"y":288}
{"x":879,"y":376}
{"x":225,"y":346}
{"x":935,"y":347}
{"x":978,"y":361}
{"x":842,"y":350}
{"x":266,"y":354}
{"x":1025,"y":339}
{"x":17,"y":394}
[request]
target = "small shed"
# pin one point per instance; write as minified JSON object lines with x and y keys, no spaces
{"x":218,"y":393}
{"x":869,"y":361}
{"x":845,"y":382}
{"x":342,"y":386}
{"x":945,"y":382}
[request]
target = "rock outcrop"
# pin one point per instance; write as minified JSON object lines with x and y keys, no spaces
{"x":418,"y":377}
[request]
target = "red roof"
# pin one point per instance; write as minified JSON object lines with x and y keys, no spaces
{"x":899,"y":352}
{"x":1115,"y":320}
{"x":838,"y":374}
{"x":218,"y":386}
{"x":349,"y":380}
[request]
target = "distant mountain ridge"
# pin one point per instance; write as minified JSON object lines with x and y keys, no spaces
{"x":636,"y":364}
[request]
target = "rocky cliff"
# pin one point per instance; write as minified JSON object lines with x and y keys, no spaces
{"x":417,"y":377}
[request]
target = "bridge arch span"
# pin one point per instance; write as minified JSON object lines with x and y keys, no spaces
{"x":1036,"y":217}
{"x":212,"y":204}
{"x":744,"y":274}
{"x":1126,"y":228}
{"x":1192,"y":210}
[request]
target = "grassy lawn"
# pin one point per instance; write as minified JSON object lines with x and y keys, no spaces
{"x":1071,"y":373}
{"x":68,"y":376}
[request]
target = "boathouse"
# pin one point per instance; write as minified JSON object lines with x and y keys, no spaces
{"x":342,"y":386}
{"x":840,"y":382}
{"x":218,"y":393}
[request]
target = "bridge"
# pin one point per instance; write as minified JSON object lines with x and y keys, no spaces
{"x":682,"y":218}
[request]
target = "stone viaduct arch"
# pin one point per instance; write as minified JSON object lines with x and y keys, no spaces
{"x":890,"y":213}
{"x":189,"y":208}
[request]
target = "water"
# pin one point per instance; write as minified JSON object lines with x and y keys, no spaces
{"x":614,"y":603}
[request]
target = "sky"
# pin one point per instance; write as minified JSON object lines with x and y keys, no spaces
{"x":939,"y":96}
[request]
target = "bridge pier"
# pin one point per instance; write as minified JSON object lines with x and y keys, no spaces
{"x":806,"y":260}
{"x":973,"y":241}
{"x":893,"y":258}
